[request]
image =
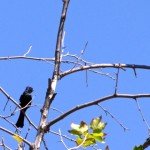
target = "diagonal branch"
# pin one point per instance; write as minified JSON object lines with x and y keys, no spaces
{"x":113,"y":117}
{"x":142,"y":115}
{"x":95,"y":102}
{"x":11,"y":133}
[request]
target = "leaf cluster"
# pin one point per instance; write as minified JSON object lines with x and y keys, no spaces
{"x":87,"y":135}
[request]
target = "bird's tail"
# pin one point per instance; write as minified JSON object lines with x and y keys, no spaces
{"x":20,"y":122}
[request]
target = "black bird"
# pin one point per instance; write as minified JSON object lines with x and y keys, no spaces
{"x":25,"y":103}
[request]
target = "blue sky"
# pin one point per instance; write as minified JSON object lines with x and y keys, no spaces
{"x":117,"y":31}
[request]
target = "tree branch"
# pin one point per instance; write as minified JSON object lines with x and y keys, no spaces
{"x":95,"y":102}
{"x":11,"y":133}
{"x":52,"y":83}
{"x":26,"y":57}
{"x":94,"y":66}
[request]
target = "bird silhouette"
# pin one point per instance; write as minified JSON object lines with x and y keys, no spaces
{"x":25,"y":103}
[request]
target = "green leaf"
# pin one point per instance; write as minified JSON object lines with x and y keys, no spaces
{"x":79,"y":129}
{"x":99,"y":137}
{"x":87,"y":136}
{"x":75,"y":132}
{"x":83,"y":127}
{"x":97,"y":125}
{"x":138,"y":148}
{"x":87,"y":142}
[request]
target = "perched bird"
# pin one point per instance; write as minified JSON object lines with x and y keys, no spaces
{"x":25,"y":103}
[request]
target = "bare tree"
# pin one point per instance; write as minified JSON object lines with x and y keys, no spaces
{"x":76,"y":64}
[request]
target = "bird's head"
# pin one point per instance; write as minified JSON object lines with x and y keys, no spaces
{"x":29,"y":89}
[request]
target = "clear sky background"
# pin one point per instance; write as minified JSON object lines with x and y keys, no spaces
{"x":118,"y":31}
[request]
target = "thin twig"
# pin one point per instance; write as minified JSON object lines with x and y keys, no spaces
{"x":4,"y":145}
{"x":135,"y":72}
{"x":16,"y":110}
{"x":73,"y":148}
{"x":8,"y":96}
{"x":64,"y":136}
{"x":80,"y":145}
{"x":76,"y":57}
{"x":29,"y":128}
{"x":55,"y":109}
{"x":45,"y":145}
{"x":28,"y":51}
{"x":86,"y":77}
{"x":6,"y":119}
{"x":79,"y":57}
{"x":142,"y":115}
{"x":103,"y":74}
{"x":117,"y":78}
{"x":61,"y":138}
{"x":82,"y":52}
{"x":112,"y":116}
{"x":6,"y":105}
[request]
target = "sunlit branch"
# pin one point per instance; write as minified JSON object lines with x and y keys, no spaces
{"x":26,"y":57}
{"x":94,"y":66}
{"x":52,"y":83}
